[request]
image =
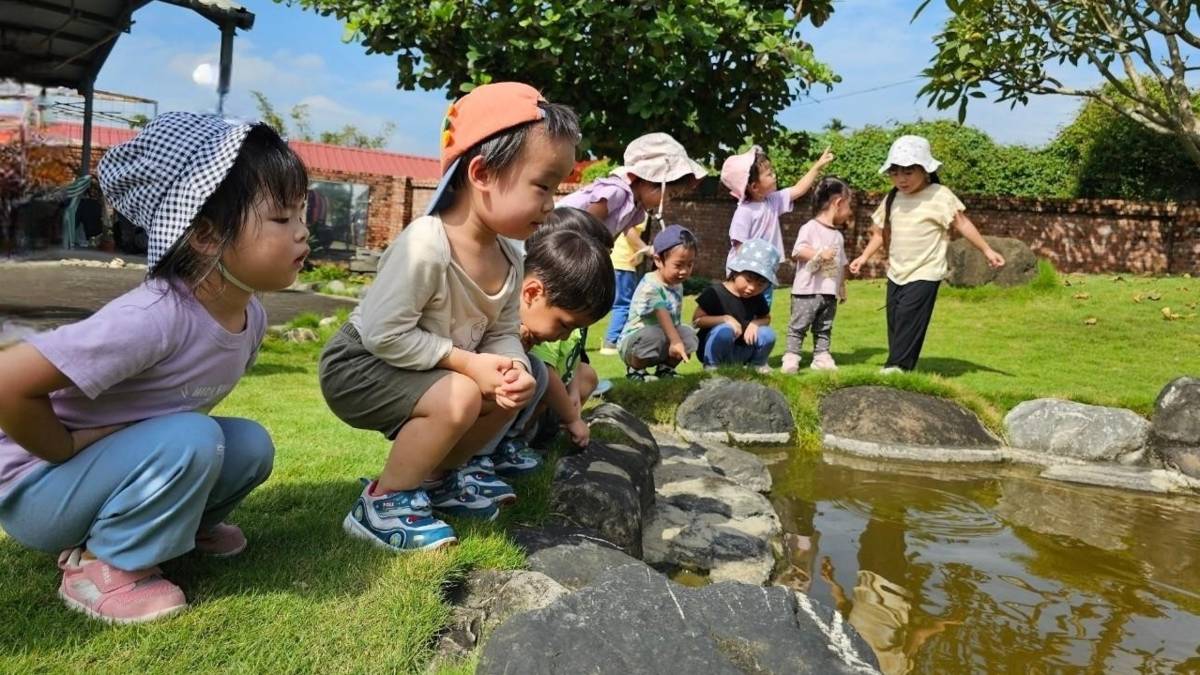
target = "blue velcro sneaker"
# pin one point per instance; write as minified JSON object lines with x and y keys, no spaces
{"x":398,"y":521}
{"x":480,"y":472}
{"x":515,"y":457}
{"x":452,"y":497}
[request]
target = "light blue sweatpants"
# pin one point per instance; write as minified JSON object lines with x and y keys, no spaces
{"x":138,"y":496}
{"x":516,"y":428}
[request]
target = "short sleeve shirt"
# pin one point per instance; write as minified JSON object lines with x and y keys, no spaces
{"x":651,"y":295}
{"x":616,"y":193}
{"x":819,"y":237}
{"x":760,"y":220}
{"x":920,"y":233}
{"x":716,"y":300}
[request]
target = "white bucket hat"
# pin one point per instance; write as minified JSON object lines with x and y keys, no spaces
{"x":161,"y":178}
{"x":658,"y":158}
{"x":911,"y":151}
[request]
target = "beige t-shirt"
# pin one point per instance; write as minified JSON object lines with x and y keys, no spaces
{"x":920,"y":232}
{"x":423,"y":303}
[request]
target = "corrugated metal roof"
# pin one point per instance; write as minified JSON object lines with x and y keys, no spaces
{"x":317,"y":156}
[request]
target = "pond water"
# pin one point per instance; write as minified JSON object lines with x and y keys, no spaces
{"x":991,"y":570}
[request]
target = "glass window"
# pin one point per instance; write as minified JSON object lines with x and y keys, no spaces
{"x":337,"y":214}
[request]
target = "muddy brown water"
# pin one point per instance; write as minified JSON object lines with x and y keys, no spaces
{"x":991,"y":570}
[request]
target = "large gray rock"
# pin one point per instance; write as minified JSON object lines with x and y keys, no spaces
{"x":968,"y":267}
{"x":747,"y":412}
{"x":606,"y":488}
{"x":1070,"y":429}
{"x":1176,"y":425}
{"x":608,"y":419}
{"x":578,"y":565}
{"x":635,"y":621}
{"x":891,"y":416}
{"x":704,"y":521}
{"x":486,"y":599}
{"x":744,"y":468}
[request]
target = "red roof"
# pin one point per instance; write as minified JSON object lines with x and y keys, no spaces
{"x":316,"y":156}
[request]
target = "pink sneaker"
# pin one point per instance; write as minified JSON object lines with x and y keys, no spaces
{"x":115,"y":596}
{"x":791,"y":363}
{"x":823,"y":361}
{"x":221,"y":541}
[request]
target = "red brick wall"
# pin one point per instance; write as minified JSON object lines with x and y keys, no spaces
{"x":1098,"y":236}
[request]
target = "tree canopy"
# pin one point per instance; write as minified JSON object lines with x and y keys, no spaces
{"x":709,"y":72}
{"x":1139,"y":48}
{"x":301,"y":128}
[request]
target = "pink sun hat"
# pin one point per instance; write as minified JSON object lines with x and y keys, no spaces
{"x":735,"y":172}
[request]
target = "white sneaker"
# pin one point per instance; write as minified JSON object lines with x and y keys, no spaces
{"x":764,"y":370}
{"x":791,"y":363}
{"x":608,"y":349}
{"x":823,"y":361}
{"x":891,"y":370}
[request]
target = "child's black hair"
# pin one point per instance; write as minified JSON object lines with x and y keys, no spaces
{"x":760,"y":162}
{"x":755,"y":276}
{"x":891,"y":197}
{"x":828,"y":188}
{"x":502,"y":149}
{"x":265,"y":167}
{"x":571,"y":218}
{"x":575,"y":268}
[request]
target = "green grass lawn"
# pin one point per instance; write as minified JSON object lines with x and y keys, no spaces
{"x":304,"y":597}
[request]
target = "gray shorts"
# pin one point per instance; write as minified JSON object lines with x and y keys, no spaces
{"x":650,"y":344}
{"x":367,"y":393}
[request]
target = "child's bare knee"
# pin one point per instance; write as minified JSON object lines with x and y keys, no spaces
{"x":455,"y":399}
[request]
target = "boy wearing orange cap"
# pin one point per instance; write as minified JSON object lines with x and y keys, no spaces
{"x":431,"y":358}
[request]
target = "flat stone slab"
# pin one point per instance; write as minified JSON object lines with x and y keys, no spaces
{"x":745,"y":412}
{"x":1070,"y":429}
{"x":899,"y":418}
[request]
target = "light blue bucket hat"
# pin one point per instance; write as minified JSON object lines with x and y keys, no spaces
{"x":758,"y":256}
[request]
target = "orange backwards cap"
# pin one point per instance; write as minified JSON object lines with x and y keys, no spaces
{"x":486,"y":110}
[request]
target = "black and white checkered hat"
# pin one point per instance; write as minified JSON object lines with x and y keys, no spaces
{"x":160,"y":178}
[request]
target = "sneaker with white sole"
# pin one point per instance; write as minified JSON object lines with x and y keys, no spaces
{"x":452,"y":497}
{"x":891,"y":370}
{"x":113,"y":595}
{"x":823,"y":361}
{"x":791,"y":364}
{"x":399,"y":521}
{"x":764,"y":369}
{"x":514,"y":457}
{"x":480,"y":471}
{"x":608,"y":349}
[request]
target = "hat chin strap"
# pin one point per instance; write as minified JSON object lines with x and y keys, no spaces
{"x":232,"y":279}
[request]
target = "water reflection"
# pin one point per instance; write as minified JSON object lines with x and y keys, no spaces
{"x":989,"y":570}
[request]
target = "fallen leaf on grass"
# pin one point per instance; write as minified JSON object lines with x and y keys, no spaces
{"x":1168,"y":315}
{"x":1081,"y":296}
{"x":1118,"y":278}
{"x":1066,"y":282}
{"x":1191,"y":305}
{"x":1137,"y":297}
{"x":1090,"y":321}
{"x":1155,"y":296}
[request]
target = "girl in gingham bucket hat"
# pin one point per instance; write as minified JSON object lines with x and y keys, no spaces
{"x":121,"y":467}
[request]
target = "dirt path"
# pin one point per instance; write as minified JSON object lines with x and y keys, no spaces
{"x":47,"y":294}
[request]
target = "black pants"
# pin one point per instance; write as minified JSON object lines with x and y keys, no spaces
{"x":909,"y":309}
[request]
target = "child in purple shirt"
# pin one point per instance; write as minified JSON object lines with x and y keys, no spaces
{"x":108,"y":455}
{"x":751,"y":180}
{"x":656,"y":166}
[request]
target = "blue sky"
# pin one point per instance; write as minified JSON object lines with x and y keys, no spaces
{"x":295,"y":56}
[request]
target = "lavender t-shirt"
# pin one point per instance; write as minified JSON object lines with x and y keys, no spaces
{"x":623,"y":213}
{"x":759,"y":220}
{"x":819,"y":237}
{"x":153,"y":351}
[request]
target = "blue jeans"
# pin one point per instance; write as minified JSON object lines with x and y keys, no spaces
{"x":626,"y":283}
{"x":722,"y":348}
{"x":137,"y":497}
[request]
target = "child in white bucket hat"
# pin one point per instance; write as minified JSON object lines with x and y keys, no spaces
{"x":915,"y":219}
{"x":751,"y":180}
{"x":655,"y":167}
{"x":108,"y":454}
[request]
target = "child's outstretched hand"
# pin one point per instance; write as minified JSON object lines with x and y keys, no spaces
{"x":517,"y":389}
{"x":678,"y":351}
{"x":750,"y":335}
{"x":733,"y":324}
{"x":856,"y":265}
{"x":995,"y":260}
{"x":825,"y":159}
{"x":488,"y":372}
{"x":581,"y":435}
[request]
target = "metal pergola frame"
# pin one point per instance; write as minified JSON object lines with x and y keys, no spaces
{"x":66,"y":42}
